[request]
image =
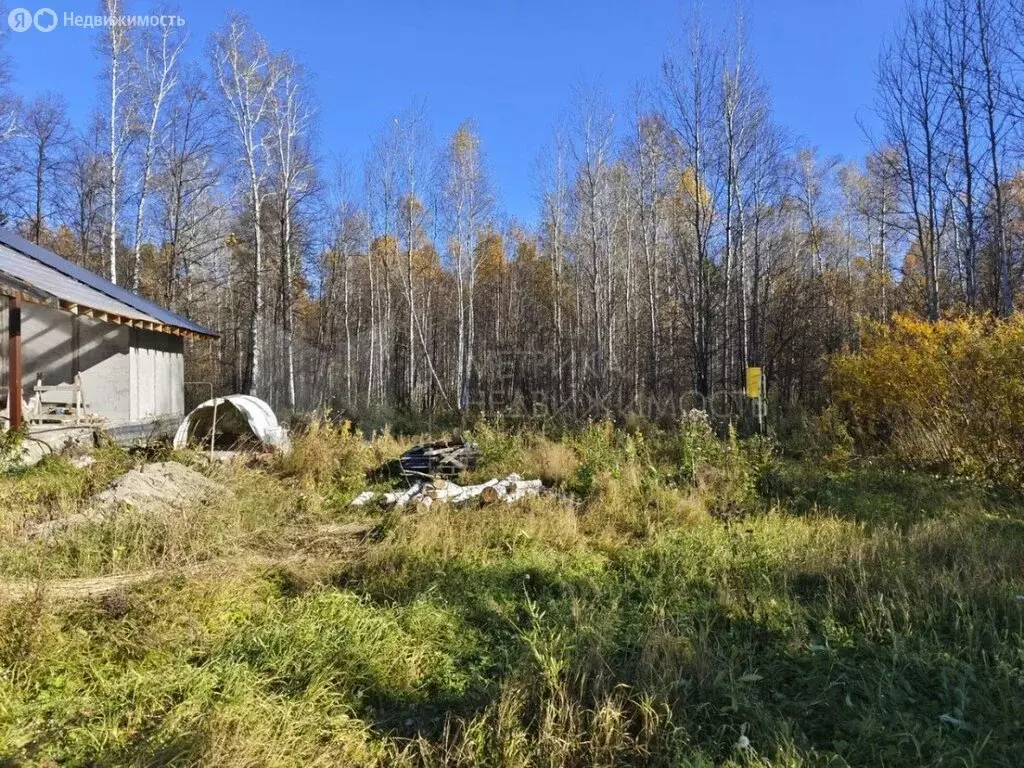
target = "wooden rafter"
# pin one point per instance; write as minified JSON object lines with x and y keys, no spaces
{"x":15,"y":288}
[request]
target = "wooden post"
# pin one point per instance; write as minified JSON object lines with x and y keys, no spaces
{"x":14,"y":368}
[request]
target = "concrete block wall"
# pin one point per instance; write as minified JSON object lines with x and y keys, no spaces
{"x":128,"y":375}
{"x":100,"y":352}
{"x":157,"y":375}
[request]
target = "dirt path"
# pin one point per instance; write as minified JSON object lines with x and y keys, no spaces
{"x":346,"y":539}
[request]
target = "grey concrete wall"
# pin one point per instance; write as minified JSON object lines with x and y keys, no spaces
{"x":157,"y":375}
{"x":128,"y":375}
{"x":101,"y":355}
{"x":46,"y":344}
{"x":57,"y":345}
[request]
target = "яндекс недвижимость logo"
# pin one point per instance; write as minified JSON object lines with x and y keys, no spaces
{"x":45,"y":20}
{"x":22,"y":19}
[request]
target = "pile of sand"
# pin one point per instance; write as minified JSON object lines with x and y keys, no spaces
{"x":157,"y":488}
{"x":154,"y":489}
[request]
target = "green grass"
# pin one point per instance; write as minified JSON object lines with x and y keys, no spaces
{"x":857,"y":616}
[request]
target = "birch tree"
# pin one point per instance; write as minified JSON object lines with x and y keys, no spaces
{"x":292,"y":122}
{"x":46,"y":136}
{"x":991,"y":29}
{"x":468,"y":203}
{"x":959,"y":61}
{"x":553,"y":173}
{"x":649,"y":151}
{"x":743,"y":112}
{"x":247,"y":75}
{"x":340,"y":290}
{"x":383,"y":190}
{"x":157,"y":76}
{"x":117,"y":47}
{"x":913,"y":106}
{"x":188,"y":208}
{"x":595,"y":122}
{"x":412,"y":145}
{"x":81,"y":208}
{"x":691,"y":91}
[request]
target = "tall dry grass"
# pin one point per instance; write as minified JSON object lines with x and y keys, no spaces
{"x":858,"y":616}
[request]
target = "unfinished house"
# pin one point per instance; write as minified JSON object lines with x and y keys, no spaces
{"x":79,"y":351}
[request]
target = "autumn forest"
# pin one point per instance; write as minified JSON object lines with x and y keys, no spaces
{"x":681,"y":234}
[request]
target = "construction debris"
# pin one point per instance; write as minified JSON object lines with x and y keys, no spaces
{"x":443,"y":458}
{"x":44,"y":441}
{"x":508,"y":489}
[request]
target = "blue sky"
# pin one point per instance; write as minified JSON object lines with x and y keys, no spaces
{"x":511,"y":66}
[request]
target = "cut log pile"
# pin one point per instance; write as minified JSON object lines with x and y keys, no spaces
{"x":508,"y":489}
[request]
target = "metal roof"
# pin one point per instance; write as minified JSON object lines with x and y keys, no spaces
{"x":49,"y":282}
{"x":77,"y":289}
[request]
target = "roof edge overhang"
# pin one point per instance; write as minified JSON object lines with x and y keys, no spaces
{"x":149,"y":314}
{"x":11,"y":286}
{"x":132,"y":322}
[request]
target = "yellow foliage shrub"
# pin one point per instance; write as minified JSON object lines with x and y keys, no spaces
{"x":948,"y":393}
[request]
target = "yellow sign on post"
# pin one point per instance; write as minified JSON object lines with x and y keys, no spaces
{"x":754,"y":383}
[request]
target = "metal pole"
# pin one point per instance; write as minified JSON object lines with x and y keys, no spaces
{"x":14,"y":370}
{"x":213,"y":429}
{"x":762,"y":405}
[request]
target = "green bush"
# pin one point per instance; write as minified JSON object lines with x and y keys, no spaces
{"x":501,"y":450}
{"x":726,"y":472}
{"x":11,"y":441}
{"x":696,"y":445}
{"x":606,"y":451}
{"x":823,"y":437}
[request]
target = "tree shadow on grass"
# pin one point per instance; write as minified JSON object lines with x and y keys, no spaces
{"x":492,"y":603}
{"x":845,"y":669}
{"x":933,"y":682}
{"x":876,"y":493}
{"x":151,"y":747}
{"x":873,"y":703}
